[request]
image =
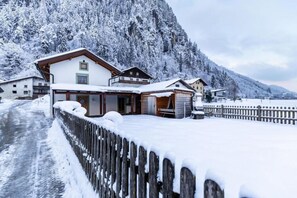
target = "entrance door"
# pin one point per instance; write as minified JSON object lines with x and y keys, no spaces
{"x":84,"y":101}
{"x":151,"y":105}
{"x":121,"y":105}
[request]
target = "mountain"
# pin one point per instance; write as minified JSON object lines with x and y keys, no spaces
{"x":143,"y":33}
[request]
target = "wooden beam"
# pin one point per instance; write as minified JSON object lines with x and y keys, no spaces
{"x":101,"y":109}
{"x":67,"y":95}
{"x":132,"y":104}
{"x":104,"y":103}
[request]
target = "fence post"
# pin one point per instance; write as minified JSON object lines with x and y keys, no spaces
{"x":222,"y":109}
{"x":153,"y":173}
{"x":142,"y":160}
{"x":258,"y":113}
{"x":168,"y":176}
{"x":293,"y":115}
{"x":187,"y":183}
{"x":133,"y":176}
{"x":118,"y":167}
{"x":113,"y":163}
{"x":212,"y":190}
{"x":125,"y":173}
{"x":108,"y":164}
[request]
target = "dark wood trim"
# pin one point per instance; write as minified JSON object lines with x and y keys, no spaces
{"x":67,"y":95}
{"x":132,"y":103}
{"x":101,"y":108}
{"x":104,"y":103}
{"x":133,"y":81}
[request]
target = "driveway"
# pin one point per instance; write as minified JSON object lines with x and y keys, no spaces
{"x":26,"y":163}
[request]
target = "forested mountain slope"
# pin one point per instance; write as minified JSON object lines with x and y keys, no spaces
{"x":143,"y":33}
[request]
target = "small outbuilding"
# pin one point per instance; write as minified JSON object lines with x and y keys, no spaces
{"x":172,"y":98}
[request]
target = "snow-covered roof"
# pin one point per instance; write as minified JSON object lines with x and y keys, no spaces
{"x":217,"y":90}
{"x":59,"y":54}
{"x":43,"y":64}
{"x":134,"y":67}
{"x":155,"y":87}
{"x":19,"y":79}
{"x":191,"y":81}
{"x":93,"y":88}
{"x":163,"y":94}
{"x":165,"y":86}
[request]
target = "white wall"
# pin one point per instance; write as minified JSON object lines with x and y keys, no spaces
{"x":180,"y":85}
{"x":65,"y":71}
{"x":36,"y":82}
{"x":20,"y":88}
{"x":111,"y":103}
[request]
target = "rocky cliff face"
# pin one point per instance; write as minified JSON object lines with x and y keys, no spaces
{"x":143,"y":33}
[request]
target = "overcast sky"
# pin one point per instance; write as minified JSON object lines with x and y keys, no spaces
{"x":257,"y":38}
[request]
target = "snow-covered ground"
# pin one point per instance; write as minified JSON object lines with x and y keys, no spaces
{"x":255,"y":102}
{"x":68,"y":166}
{"x":245,"y":158}
{"x":36,"y":160}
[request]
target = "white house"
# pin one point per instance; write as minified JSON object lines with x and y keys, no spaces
{"x":80,"y":75}
{"x":27,"y":87}
{"x":218,"y":94}
{"x":198,"y":84}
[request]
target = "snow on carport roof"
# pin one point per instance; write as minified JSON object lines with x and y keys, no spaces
{"x":165,"y":86}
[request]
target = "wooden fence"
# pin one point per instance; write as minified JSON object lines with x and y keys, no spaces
{"x":117,"y":167}
{"x":282,"y":115}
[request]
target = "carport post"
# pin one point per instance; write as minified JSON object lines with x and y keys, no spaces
{"x":184,"y":109}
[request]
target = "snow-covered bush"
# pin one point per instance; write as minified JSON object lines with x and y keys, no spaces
{"x":71,"y":107}
{"x":114,"y":117}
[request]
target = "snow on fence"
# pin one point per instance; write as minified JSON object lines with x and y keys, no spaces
{"x":119,"y":168}
{"x":282,"y":115}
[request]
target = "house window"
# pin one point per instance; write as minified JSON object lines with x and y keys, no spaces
{"x":26,"y":92}
{"x":39,"y":84}
{"x":137,"y":74}
{"x":82,"y":78}
{"x":177,"y":85}
{"x":25,"y":86}
{"x":131,"y":73}
{"x":14,"y":85}
{"x":45,"y":84}
{"x":14,"y":92}
{"x":83,"y":66}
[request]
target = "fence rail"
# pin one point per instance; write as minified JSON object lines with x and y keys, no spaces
{"x":118,"y":168}
{"x":282,"y":115}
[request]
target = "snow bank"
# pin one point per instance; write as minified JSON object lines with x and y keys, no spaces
{"x":68,"y":166}
{"x":42,"y":104}
{"x":246,"y":192}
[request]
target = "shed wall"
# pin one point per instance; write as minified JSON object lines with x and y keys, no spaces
{"x":182,"y":99}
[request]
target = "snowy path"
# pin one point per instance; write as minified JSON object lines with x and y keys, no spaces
{"x":26,"y":165}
